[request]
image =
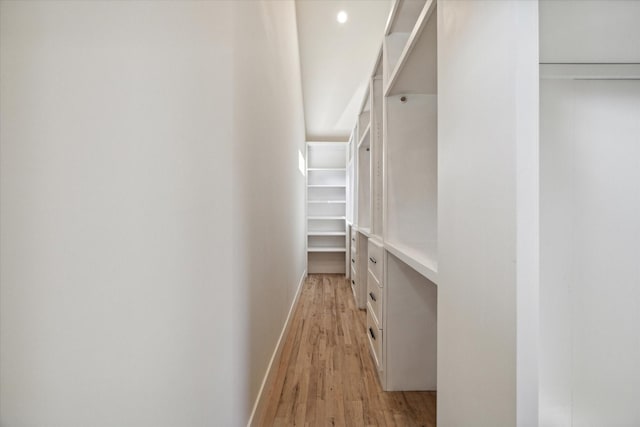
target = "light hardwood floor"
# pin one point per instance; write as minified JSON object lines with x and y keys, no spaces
{"x":326,"y":376}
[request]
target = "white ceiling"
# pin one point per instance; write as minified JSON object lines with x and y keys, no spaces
{"x":336,"y":61}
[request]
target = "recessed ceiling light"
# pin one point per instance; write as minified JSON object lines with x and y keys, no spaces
{"x":342,"y":17}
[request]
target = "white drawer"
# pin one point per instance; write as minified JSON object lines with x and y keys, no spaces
{"x":375,"y":340}
{"x":352,"y":281}
{"x":354,"y":252}
{"x":354,"y":235}
{"x":374,"y":300}
{"x":375,"y":260}
{"x":353,"y":259}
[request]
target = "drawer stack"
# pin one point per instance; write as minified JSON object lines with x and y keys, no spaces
{"x":375,"y":300}
{"x":352,"y":261}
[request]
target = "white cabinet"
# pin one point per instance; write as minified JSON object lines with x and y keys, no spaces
{"x":410,"y":329}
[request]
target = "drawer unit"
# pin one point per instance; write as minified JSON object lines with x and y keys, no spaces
{"x":352,"y":280}
{"x":374,"y":299}
{"x":353,"y":235}
{"x":375,"y":340}
{"x":375,"y":260}
{"x":352,"y":261}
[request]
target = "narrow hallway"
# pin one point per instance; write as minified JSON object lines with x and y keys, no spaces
{"x":326,"y":375}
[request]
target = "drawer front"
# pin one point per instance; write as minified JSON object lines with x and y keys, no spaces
{"x":352,"y":261}
{"x":354,"y":236}
{"x":375,"y":260}
{"x":374,"y":299}
{"x":352,"y":281}
{"x":353,"y":250}
{"x":375,"y":340}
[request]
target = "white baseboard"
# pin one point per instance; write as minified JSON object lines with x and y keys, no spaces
{"x":261,"y":400}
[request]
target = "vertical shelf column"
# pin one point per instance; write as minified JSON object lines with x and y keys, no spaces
{"x":326,"y":207}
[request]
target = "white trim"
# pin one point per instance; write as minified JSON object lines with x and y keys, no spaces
{"x":267,"y":381}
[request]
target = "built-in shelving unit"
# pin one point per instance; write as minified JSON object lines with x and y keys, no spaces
{"x":448,"y":186}
{"x":326,"y":207}
{"x":400,"y":26}
{"x":395,"y":167}
{"x":411,"y":146}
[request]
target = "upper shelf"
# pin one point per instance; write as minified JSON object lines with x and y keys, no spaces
{"x":403,"y":16}
{"x":412,"y":59}
{"x":590,"y":71}
{"x":364,"y":140}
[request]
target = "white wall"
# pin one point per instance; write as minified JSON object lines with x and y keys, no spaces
{"x":269,"y":134}
{"x":487,"y":140}
{"x":133,"y":140}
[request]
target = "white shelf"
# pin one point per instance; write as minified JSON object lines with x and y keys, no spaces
{"x":326,"y":233}
{"x":364,"y":231}
{"x":365,"y":135}
{"x":402,"y":16}
{"x":327,"y":201}
{"x":325,"y":217}
{"x":414,"y":37}
{"x":319,"y":249}
{"x":590,"y":71}
{"x":326,"y":169}
{"x":426,"y":267}
{"x":327,"y":185}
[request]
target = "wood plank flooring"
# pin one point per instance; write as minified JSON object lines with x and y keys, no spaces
{"x":326,"y":376}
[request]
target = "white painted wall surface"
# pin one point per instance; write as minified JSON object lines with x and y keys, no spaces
{"x":590,"y":234}
{"x":487,"y":112}
{"x":594,"y":31}
{"x":143,"y":147}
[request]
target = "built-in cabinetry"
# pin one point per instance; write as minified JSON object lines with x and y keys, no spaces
{"x":395,"y":170}
{"x":496,"y":204}
{"x":326,"y":207}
